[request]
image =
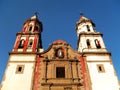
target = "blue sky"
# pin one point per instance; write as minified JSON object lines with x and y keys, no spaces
{"x":59,"y":19}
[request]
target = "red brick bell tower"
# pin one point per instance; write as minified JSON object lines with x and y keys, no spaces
{"x":29,"y":39}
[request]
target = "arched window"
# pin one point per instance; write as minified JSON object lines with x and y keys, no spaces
{"x":97,"y":43}
{"x":88,"y":28}
{"x":30,"y":28}
{"x":30,"y":43}
{"x":88,"y":43}
{"x":36,"y":28}
{"x":21,"y":44}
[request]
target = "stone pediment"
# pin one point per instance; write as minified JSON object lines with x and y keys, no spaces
{"x":60,"y":50}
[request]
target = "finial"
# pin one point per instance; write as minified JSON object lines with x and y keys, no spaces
{"x":36,"y":14}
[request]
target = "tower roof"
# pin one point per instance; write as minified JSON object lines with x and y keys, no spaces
{"x":34,"y":18}
{"x":83,"y":19}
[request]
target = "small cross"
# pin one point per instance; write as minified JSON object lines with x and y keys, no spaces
{"x":81,"y":14}
{"x":36,"y":14}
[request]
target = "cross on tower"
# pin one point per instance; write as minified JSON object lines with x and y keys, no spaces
{"x":81,"y":14}
{"x":36,"y":14}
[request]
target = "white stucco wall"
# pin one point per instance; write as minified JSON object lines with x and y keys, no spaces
{"x":19,"y":81}
{"x":14,"y":81}
{"x":97,"y":57}
{"x":22,"y":57}
{"x":103,"y":80}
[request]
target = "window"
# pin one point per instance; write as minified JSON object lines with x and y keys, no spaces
{"x":97,"y":43}
{"x":100,"y":68}
{"x":60,"y":72}
{"x":19,"y":69}
{"x":88,"y":43}
{"x":30,"y":28}
{"x":21,"y":44}
{"x":36,"y":28}
{"x":88,"y":28}
{"x":30,"y":43}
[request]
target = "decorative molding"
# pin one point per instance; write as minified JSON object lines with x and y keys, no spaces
{"x":10,"y":53}
{"x":71,"y":60}
{"x":109,"y":53}
{"x":99,"y":61}
{"x":22,"y":61}
{"x":62,"y":84}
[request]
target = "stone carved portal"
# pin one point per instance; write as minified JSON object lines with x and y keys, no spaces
{"x":60,"y":68}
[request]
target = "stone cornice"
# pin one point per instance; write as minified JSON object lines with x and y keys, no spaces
{"x":90,"y":33}
{"x":109,"y":53}
{"x":28,"y":33}
{"x":10,"y":53}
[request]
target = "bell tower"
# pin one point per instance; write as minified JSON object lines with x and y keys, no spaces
{"x":19,"y":74}
{"x":29,"y":39}
{"x":88,"y":39}
{"x":99,"y":63}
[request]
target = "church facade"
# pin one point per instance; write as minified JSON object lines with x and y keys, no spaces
{"x":59,"y":67}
